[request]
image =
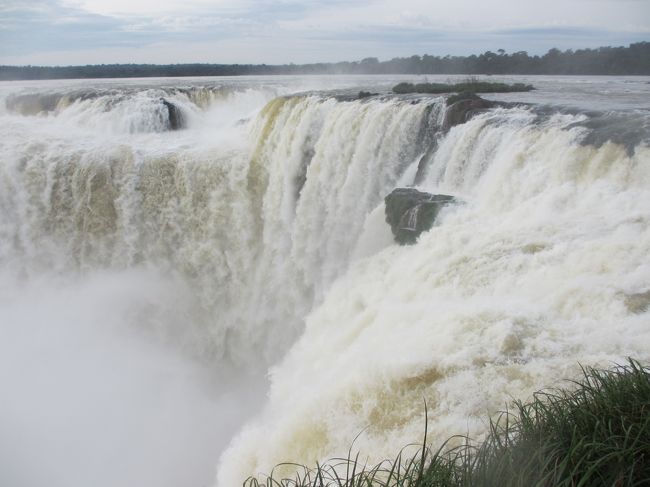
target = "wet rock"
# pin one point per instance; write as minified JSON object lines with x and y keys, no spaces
{"x":176,"y":121}
{"x":410,"y":212}
{"x":300,"y":178}
{"x":638,"y":303}
{"x":463,"y":95}
{"x":365,"y":94}
{"x":463,"y":107}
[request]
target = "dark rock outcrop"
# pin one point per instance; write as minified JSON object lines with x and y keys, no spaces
{"x":464,"y":107}
{"x":638,"y":303}
{"x":410,"y":212}
{"x":461,"y":107}
{"x":365,"y":94}
{"x":175,"y":115}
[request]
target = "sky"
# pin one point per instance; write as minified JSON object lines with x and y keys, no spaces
{"x":72,"y":32}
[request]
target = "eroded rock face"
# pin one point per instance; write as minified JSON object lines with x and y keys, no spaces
{"x":410,"y":212}
{"x":176,"y":121}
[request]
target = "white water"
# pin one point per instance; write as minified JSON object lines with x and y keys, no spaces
{"x":92,"y":394}
{"x":150,"y":278}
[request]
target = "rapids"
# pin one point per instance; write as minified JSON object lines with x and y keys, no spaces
{"x":153,"y":278}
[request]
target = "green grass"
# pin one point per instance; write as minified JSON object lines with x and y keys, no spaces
{"x":473,"y":86}
{"x":595,"y":433}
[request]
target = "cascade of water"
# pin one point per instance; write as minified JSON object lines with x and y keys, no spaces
{"x":131,"y":111}
{"x":259,"y":235}
{"x":507,"y":292}
{"x":271,"y":223}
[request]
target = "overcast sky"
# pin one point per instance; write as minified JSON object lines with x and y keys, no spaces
{"x":64,"y":32}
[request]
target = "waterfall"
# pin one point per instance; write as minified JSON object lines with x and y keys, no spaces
{"x":254,"y":235}
{"x":506,"y":294}
{"x":259,"y":233}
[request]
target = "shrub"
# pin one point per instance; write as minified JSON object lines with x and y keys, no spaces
{"x":473,"y":86}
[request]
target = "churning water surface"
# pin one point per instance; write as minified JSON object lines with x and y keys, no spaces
{"x":193,"y":306}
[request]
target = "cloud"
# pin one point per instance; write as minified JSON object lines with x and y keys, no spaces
{"x":40,"y":26}
{"x":278,"y":31}
{"x":34,"y":26}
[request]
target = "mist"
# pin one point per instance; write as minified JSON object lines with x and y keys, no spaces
{"x":101,"y":386}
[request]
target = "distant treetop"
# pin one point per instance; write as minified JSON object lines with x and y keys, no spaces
{"x":631,"y":60}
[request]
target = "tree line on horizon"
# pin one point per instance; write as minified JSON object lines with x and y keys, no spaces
{"x":631,"y":60}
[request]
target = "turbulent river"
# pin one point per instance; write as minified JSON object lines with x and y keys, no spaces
{"x":197,"y":280}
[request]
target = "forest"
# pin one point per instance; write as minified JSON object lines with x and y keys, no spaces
{"x":631,"y":60}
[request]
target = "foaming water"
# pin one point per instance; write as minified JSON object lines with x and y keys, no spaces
{"x":506,"y":295}
{"x":153,"y":272}
{"x":245,"y":227}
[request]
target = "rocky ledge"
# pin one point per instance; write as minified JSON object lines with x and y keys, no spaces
{"x":175,"y":116}
{"x":410,"y":212}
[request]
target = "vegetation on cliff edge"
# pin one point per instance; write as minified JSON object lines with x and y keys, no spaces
{"x":596,"y":433}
